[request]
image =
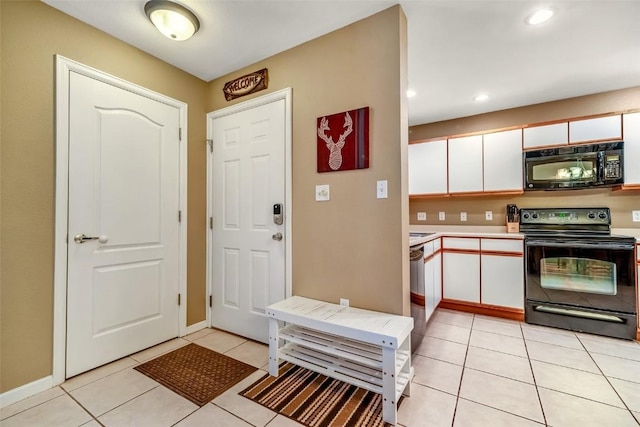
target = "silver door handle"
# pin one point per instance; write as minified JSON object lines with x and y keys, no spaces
{"x":81,"y":238}
{"x":277,"y":236}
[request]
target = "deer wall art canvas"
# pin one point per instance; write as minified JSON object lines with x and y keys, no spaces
{"x":343,"y":141}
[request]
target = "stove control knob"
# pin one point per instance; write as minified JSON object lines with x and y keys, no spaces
{"x":525,"y":215}
{"x":534,"y":215}
{"x":602,"y":215}
{"x":592,"y":215}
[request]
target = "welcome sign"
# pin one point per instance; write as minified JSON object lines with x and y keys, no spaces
{"x":249,"y":83}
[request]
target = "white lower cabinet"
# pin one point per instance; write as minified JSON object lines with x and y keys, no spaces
{"x":502,"y":267}
{"x":432,"y":277}
{"x":461,"y":269}
{"x":437,"y":278}
{"x":502,"y":281}
{"x":487,"y":271}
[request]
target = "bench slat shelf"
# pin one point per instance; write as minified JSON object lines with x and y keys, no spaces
{"x":365,"y":348}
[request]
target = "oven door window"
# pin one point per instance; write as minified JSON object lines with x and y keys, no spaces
{"x":578,"y":275}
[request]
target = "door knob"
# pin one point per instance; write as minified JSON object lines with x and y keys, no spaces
{"x":81,"y":238}
{"x":277,"y":236}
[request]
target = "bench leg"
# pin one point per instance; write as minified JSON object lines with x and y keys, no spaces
{"x":389,"y":404}
{"x":274,"y":344}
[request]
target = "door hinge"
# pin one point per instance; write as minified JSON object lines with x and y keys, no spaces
{"x":210,"y":300}
{"x":180,"y":134}
{"x":179,"y":216}
{"x":179,"y":298}
{"x":210,"y":144}
{"x":211,"y":222}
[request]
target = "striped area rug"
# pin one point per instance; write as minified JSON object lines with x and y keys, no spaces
{"x":316,"y":400}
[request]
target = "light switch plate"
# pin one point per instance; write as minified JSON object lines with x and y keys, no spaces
{"x":635,"y":215}
{"x":422,"y":216}
{"x":463,"y":216}
{"x":322,"y":193}
{"x":488,"y":215}
{"x":441,"y":216}
{"x":381,"y":189}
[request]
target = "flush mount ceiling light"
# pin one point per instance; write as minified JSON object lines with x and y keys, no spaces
{"x":539,"y":16}
{"x":172,"y":19}
{"x":481,"y":97}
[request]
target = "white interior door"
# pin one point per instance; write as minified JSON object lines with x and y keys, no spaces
{"x":123,"y":283}
{"x":248,"y":179}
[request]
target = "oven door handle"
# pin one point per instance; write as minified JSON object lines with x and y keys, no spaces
{"x":574,"y":244}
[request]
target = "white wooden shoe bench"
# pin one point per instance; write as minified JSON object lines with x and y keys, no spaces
{"x":365,"y":348}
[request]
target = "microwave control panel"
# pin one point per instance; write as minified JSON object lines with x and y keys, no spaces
{"x":612,"y":167}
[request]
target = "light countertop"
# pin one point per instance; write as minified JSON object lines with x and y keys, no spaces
{"x":437,"y":231}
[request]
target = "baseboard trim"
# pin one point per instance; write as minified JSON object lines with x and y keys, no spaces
{"x":487,"y":310}
{"x":417,"y":299}
{"x":17,"y":394}
{"x":195,"y":327}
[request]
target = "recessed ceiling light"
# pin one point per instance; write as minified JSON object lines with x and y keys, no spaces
{"x":539,"y":16}
{"x":411,"y":93}
{"x":481,"y":97}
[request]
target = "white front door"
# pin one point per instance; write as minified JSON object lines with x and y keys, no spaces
{"x":248,"y":246}
{"x":123,"y":229}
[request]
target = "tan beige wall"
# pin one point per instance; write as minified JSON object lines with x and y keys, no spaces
{"x":353,"y":246}
{"x":32,"y":33}
{"x":621,"y":203}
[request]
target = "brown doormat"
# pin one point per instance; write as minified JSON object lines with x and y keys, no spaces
{"x":316,"y":400}
{"x":196,"y":373}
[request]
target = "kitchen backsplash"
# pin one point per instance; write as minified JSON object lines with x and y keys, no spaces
{"x":621,"y":204}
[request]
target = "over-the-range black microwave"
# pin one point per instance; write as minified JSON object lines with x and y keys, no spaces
{"x":574,"y":166}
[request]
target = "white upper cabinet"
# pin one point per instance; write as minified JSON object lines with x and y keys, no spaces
{"x":598,"y":129}
{"x":428,"y":168}
{"x":631,"y":148}
{"x":503,"y":160}
{"x":465,"y":164}
{"x":546,"y":135}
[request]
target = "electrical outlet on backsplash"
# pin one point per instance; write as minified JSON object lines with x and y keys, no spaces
{"x":621,"y":203}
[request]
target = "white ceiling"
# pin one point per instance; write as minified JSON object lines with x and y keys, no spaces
{"x":457,"y":49}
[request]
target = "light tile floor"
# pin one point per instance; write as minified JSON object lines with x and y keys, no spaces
{"x":470,"y":370}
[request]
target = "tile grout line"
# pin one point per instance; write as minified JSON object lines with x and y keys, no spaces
{"x":607,"y":380}
{"x":464,"y":362}
{"x":275,"y":414}
{"x":85,"y":409}
{"x":533,"y":375}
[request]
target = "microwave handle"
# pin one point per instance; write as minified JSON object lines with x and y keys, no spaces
{"x":600,"y":163}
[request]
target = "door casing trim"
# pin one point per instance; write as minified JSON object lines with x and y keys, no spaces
{"x":237,"y":108}
{"x":64,"y":67}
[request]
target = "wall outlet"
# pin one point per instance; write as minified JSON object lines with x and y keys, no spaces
{"x":441,"y":216}
{"x":488,"y":215}
{"x":344,"y":301}
{"x":635,"y":215}
{"x":322,"y":193}
{"x":422,"y":216}
{"x":463,"y":216}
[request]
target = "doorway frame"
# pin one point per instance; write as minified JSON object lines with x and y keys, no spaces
{"x":64,"y":68}
{"x":286,"y":95}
